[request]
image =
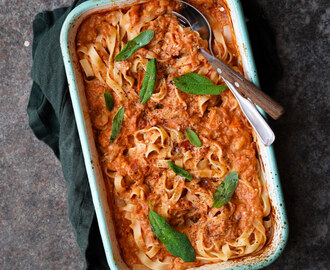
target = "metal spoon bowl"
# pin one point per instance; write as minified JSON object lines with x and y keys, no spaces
{"x":189,"y":16}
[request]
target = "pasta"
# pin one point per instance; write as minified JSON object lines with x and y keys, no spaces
{"x":135,"y":165}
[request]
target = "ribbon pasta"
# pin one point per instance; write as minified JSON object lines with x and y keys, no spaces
{"x":136,"y":164}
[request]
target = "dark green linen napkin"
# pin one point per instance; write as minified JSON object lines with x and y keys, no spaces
{"x":52,"y":121}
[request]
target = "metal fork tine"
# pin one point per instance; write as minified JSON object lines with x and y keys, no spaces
{"x":182,"y":19}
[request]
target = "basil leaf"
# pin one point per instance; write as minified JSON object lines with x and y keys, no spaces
{"x":149,"y":81}
{"x":193,"y":83}
{"x":177,"y":243}
{"x":193,"y":138}
{"x":108,"y":99}
{"x":133,"y":45}
{"x":226,"y":190}
{"x":179,"y":171}
{"x":116,"y":124}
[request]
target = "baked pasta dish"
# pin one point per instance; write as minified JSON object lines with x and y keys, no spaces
{"x":177,"y":154}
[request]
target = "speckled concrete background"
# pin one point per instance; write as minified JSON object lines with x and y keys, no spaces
{"x":35,"y":232}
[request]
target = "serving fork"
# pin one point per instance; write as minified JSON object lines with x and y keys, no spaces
{"x":191,"y":17}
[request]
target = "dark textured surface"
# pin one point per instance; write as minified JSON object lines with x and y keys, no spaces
{"x":35,"y":232}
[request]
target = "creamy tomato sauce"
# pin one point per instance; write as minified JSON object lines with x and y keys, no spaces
{"x":222,"y":123}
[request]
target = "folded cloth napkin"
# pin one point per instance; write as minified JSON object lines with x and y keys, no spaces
{"x":52,"y":121}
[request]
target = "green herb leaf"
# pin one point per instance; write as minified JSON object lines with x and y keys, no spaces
{"x":149,"y":81}
{"x":108,"y":99}
{"x":179,"y":171}
{"x":116,"y":124}
{"x":193,"y":83}
{"x":226,"y":190}
{"x":193,"y":138}
{"x":177,"y":243}
{"x":136,"y":43}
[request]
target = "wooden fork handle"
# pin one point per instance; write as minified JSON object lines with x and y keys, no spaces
{"x":245,"y":87}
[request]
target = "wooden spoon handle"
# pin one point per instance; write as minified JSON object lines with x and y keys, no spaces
{"x":247,"y":88}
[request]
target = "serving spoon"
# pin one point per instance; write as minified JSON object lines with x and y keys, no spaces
{"x":189,"y":16}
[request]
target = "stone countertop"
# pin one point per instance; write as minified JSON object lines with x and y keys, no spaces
{"x":35,"y":232}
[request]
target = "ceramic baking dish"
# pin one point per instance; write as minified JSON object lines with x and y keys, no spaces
{"x":269,"y":169}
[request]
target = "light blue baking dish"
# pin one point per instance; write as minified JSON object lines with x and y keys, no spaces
{"x":269,"y":168}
